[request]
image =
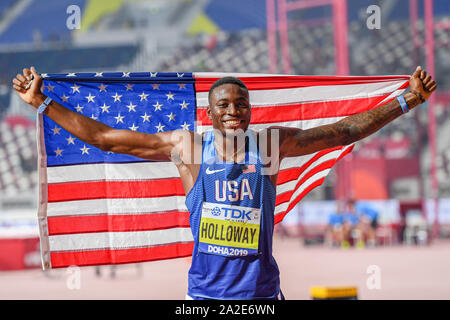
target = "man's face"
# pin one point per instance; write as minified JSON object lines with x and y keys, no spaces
{"x":229,"y":109}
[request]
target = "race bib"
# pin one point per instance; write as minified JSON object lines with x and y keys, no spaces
{"x":228,"y":230}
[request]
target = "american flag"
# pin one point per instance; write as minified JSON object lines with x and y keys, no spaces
{"x":104,"y":208}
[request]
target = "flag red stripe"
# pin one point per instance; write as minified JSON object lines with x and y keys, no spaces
{"x":286,"y":82}
{"x":305,"y":111}
{"x":114,"y":189}
{"x":286,"y":196}
{"x":120,"y":256}
{"x":287,"y":175}
{"x":117,"y":223}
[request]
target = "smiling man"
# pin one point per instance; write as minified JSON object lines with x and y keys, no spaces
{"x":230,"y":193}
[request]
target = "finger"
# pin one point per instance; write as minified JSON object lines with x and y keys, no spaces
{"x":429,"y":85}
{"x":27,"y":73}
{"x":423,"y":74}
{"x":34,"y":72}
{"x":18,"y":83}
{"x":19,"y":89}
{"x":433,"y":87}
{"x":416,"y":73}
{"x":21,"y":78}
{"x":37,"y":82}
{"x":427,"y":79}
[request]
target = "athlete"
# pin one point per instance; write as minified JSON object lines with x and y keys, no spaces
{"x":230,"y":197}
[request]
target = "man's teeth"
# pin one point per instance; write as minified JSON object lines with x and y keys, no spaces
{"x":232,"y":122}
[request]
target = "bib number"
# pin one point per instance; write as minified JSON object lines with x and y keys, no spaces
{"x":228,"y":230}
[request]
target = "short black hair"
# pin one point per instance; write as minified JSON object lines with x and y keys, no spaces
{"x":226,"y":80}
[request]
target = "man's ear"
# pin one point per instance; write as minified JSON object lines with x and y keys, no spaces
{"x":208,"y":112}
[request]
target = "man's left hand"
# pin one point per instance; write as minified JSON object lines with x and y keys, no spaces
{"x":422,"y":84}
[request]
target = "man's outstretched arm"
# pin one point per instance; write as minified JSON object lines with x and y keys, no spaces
{"x":158,"y":146}
{"x":296,"y":142}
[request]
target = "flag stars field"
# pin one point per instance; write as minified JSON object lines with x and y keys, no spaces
{"x":146,"y":107}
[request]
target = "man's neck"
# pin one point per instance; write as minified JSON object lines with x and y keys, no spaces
{"x":230,"y":148}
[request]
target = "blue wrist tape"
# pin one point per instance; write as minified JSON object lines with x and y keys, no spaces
{"x":403,"y":104}
{"x":44,"y":105}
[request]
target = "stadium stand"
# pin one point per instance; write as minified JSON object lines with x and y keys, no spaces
{"x":18,"y":156}
{"x":32,"y":24}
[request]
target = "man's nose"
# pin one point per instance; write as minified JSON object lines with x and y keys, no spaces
{"x":232,"y":110}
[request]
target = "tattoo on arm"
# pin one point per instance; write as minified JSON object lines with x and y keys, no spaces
{"x":345,"y":131}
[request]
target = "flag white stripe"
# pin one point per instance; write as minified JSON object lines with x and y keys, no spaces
{"x":392,"y":95}
{"x":112,"y":171}
{"x":118,"y":240}
{"x":273,"y":97}
{"x":116,"y":206}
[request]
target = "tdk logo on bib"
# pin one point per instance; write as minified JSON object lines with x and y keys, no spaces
{"x":232,"y":213}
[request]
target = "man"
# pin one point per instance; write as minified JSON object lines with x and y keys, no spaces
{"x":368,"y":222}
{"x":232,"y":188}
{"x":335,"y":232}
{"x":351,"y":227}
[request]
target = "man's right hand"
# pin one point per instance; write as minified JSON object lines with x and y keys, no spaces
{"x":33,"y":94}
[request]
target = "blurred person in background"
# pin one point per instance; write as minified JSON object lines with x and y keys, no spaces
{"x":368,"y":222}
{"x":215,"y":275}
{"x":335,"y":231}
{"x":351,"y":230}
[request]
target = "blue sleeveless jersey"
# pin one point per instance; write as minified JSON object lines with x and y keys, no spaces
{"x":231,"y":209}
